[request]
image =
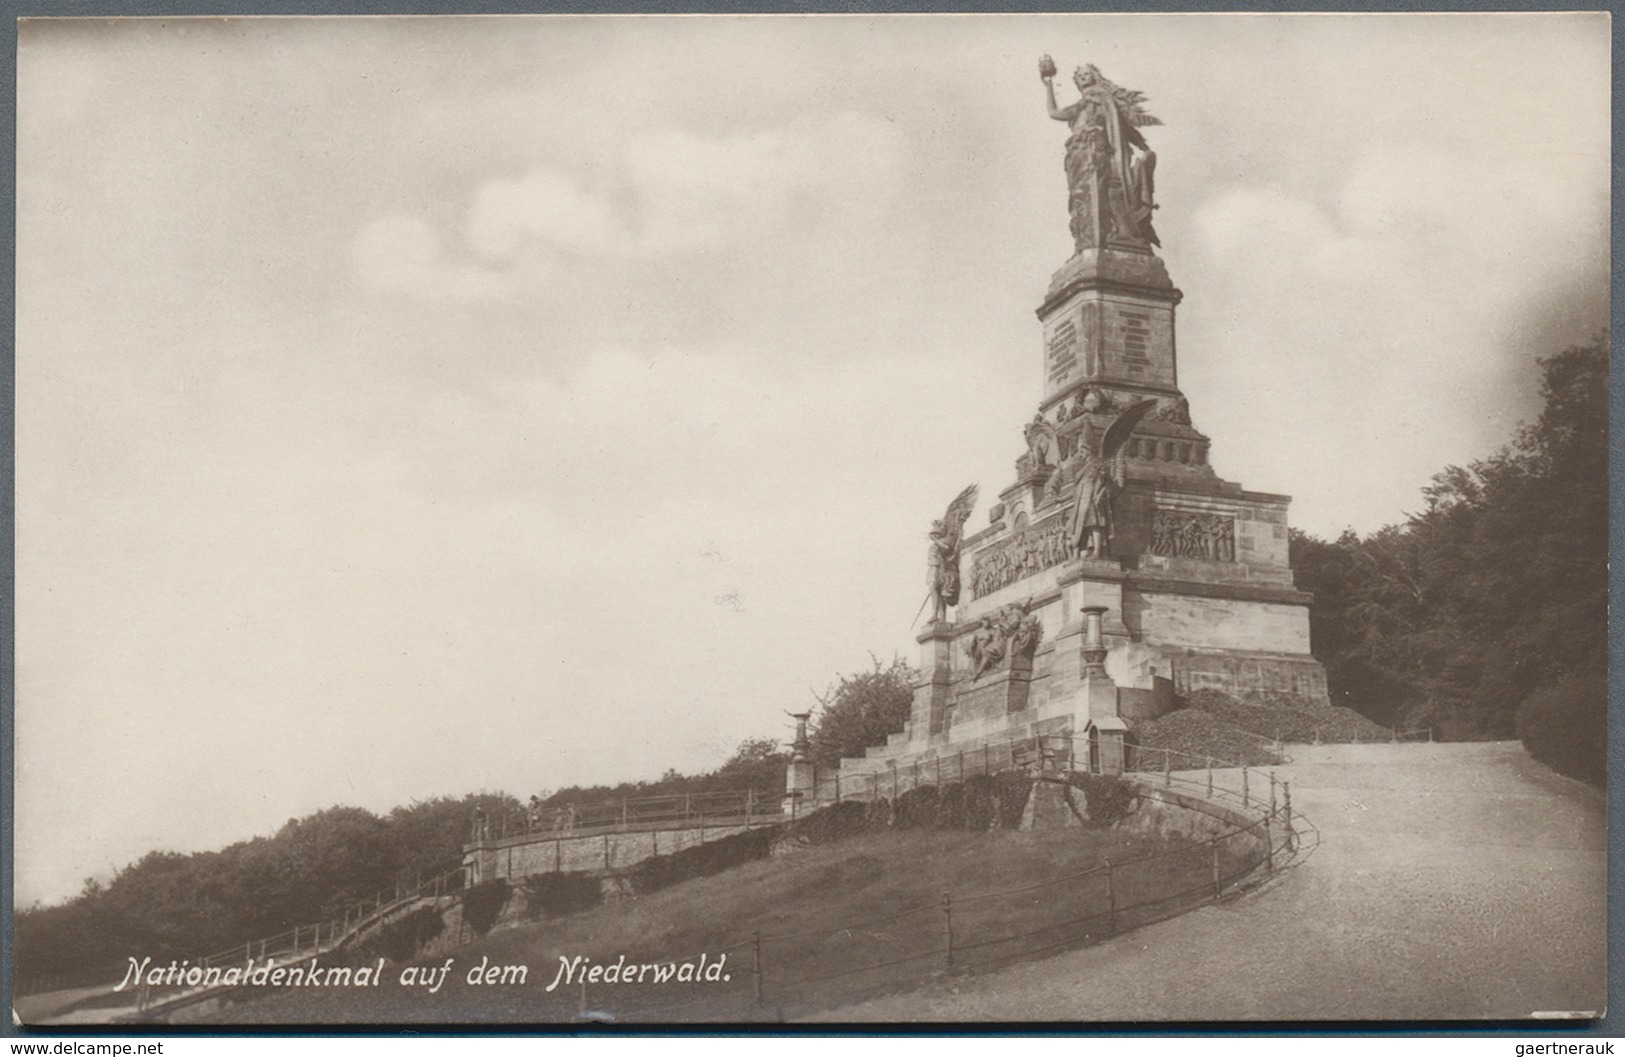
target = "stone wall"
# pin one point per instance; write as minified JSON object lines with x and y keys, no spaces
{"x":513,"y":858}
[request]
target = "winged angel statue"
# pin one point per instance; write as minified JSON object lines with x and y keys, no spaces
{"x":946,"y":536}
{"x":1089,"y":525}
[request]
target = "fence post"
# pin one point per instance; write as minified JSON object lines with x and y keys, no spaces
{"x":1291,"y":833}
{"x":948,"y":928}
{"x":1244,"y":801}
{"x":938,"y":761}
{"x":623,"y":811}
{"x":1111,"y":899}
{"x":750,"y":804}
{"x":1214,"y":848}
{"x":606,"y":851}
{"x":1210,"y":777}
{"x":960,"y":767}
{"x":1269,"y":844}
{"x":837,"y":785}
{"x":1272,"y":794}
{"x":756,"y":965}
{"x":1167,"y":768}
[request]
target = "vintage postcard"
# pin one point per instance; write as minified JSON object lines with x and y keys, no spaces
{"x":531,"y":520}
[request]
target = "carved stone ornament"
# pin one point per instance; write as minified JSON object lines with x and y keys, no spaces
{"x":1188,"y":534}
{"x":1018,"y":557}
{"x":1176,"y":410}
{"x":1006,"y":633}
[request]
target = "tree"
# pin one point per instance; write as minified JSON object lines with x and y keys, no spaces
{"x":861,"y":710}
{"x":1485,"y":614}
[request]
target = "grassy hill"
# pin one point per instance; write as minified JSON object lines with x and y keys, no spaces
{"x":840,"y":922}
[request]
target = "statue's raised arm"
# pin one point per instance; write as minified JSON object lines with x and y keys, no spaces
{"x":1109,"y":165}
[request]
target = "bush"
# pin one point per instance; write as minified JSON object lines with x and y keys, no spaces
{"x":552,"y":895}
{"x":702,"y":860}
{"x":1565,"y":726}
{"x":917,"y":808}
{"x":482,"y":904}
{"x":401,"y":939}
{"x":951,"y":807}
{"x":1107,"y":798}
{"x":846,"y":819}
{"x":981,"y":804}
{"x":1010,"y":792}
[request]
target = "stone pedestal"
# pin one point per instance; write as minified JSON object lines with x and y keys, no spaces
{"x":997,"y":693}
{"x":936,"y":676}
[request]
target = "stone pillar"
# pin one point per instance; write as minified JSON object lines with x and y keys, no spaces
{"x":800,"y":778}
{"x":931,"y":693}
{"x":1099,"y":697}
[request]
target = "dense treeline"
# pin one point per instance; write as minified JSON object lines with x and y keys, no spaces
{"x":757,"y":765}
{"x":171,"y":905}
{"x":1485,"y":614}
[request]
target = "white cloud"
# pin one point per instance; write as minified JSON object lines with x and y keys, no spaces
{"x":402,"y":254}
{"x":674,"y":192}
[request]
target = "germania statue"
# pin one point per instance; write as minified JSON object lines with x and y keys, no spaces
{"x":1110,"y":169}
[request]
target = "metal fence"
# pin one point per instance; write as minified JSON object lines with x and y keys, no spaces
{"x":624,"y":813}
{"x":198,"y":977}
{"x":771,"y":977}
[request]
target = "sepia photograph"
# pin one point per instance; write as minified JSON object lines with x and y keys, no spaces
{"x":544,"y":521}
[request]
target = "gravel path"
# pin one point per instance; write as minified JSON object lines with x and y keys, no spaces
{"x":1457,"y":881}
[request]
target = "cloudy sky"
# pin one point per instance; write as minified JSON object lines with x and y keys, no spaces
{"x":411,"y":407}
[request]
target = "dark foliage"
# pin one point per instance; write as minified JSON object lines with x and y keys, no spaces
{"x":702,"y":860}
{"x":1010,"y":792}
{"x":980,"y":796}
{"x":1462,"y":618}
{"x":400,"y":940}
{"x":483,"y":903}
{"x":916,"y":808}
{"x":1564,"y":725}
{"x":832,"y":823}
{"x":1107,"y":798}
{"x":758,"y":764}
{"x":551,"y":895}
{"x":171,"y":905}
{"x":861,"y":710}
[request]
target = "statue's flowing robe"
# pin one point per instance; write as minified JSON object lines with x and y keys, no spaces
{"x":1092,"y":507}
{"x":1096,"y":116}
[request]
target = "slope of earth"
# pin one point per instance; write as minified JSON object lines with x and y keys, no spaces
{"x":823,"y":910}
{"x":1452,"y":881}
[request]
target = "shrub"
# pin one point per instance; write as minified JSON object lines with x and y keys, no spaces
{"x":1565,"y":726}
{"x":401,"y":939}
{"x":832,"y":823}
{"x":1107,"y":798}
{"x":1010,"y":791}
{"x":701,"y":860}
{"x":951,"y":807}
{"x":980,"y":797}
{"x":551,"y":895}
{"x":917,"y":808}
{"x":482,"y":904}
